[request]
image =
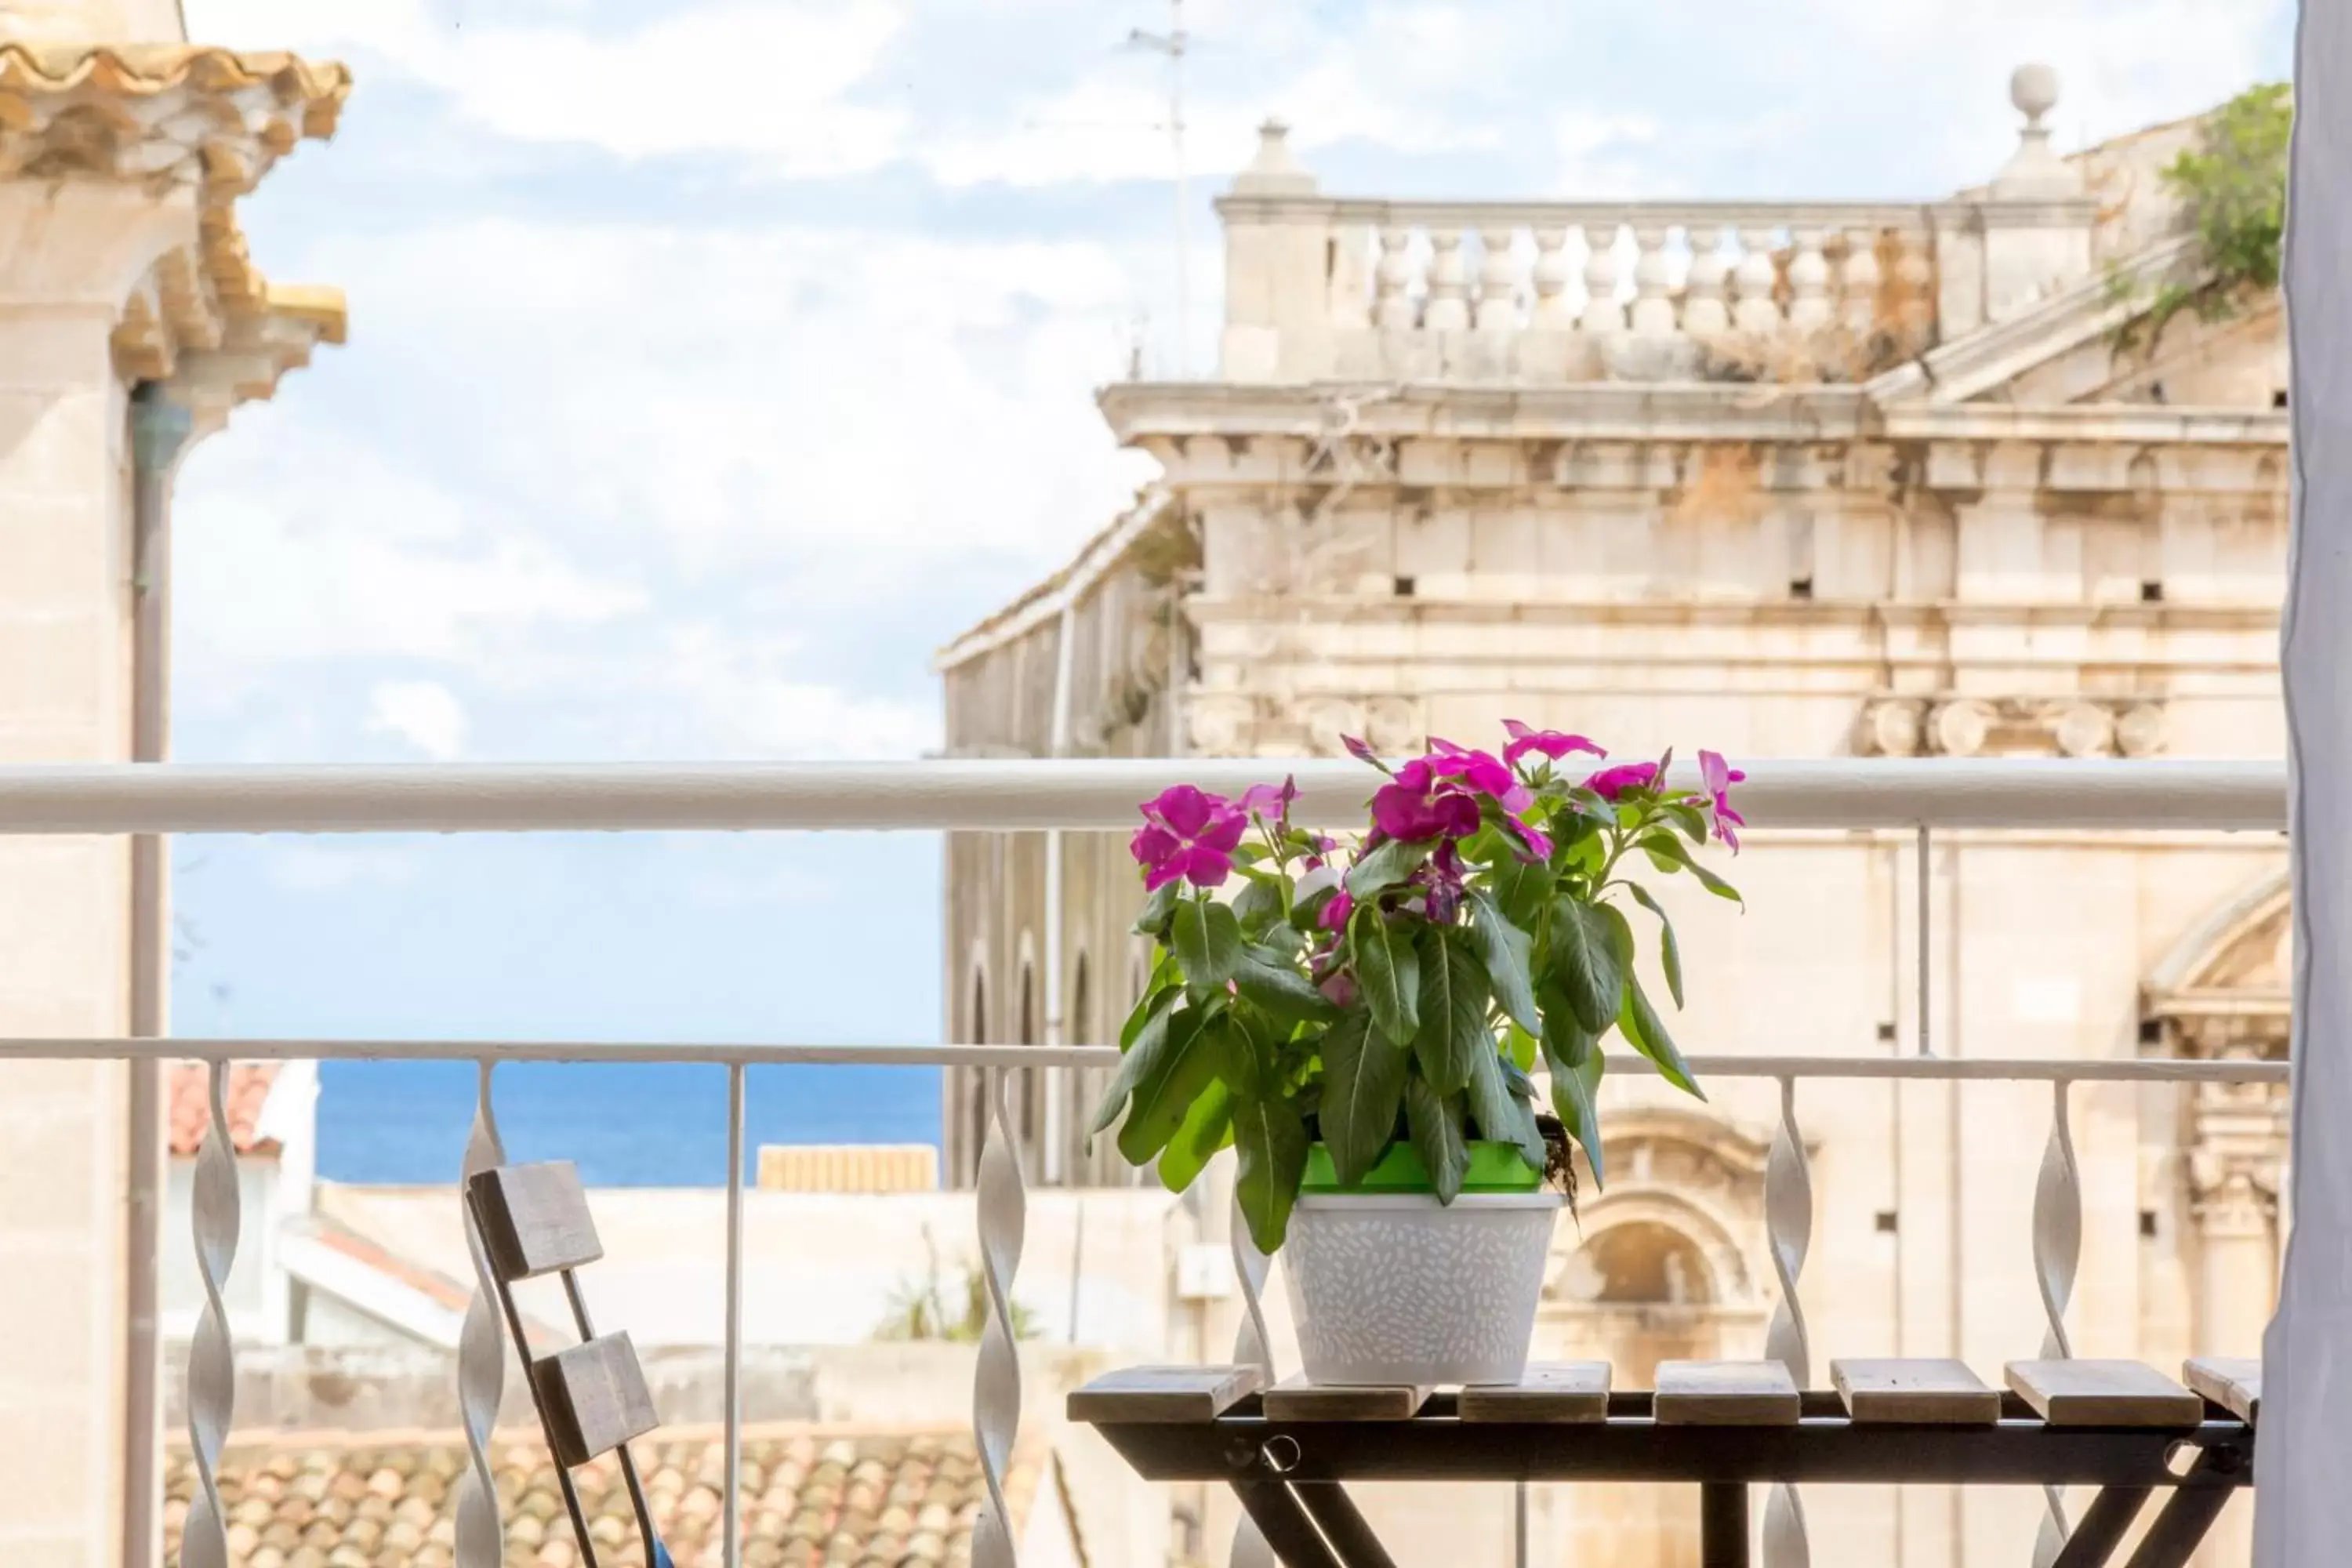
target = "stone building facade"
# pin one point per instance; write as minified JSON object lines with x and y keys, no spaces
{"x":132,"y":321}
{"x":1804,"y":480}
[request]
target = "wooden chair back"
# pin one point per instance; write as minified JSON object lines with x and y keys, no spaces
{"x":530,"y":1221}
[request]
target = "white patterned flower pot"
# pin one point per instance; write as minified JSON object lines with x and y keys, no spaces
{"x":1391,"y":1287}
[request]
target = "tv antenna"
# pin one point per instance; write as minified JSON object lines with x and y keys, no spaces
{"x":1174,"y":43}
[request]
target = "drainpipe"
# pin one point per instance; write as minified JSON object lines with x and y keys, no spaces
{"x":159,"y":430}
{"x":1056,"y":1017}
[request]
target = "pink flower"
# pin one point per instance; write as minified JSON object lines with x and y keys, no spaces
{"x":1611,"y":782}
{"x":1334,"y":915}
{"x":1270,"y":803}
{"x":1719,"y":776}
{"x":1535,"y":843}
{"x":1482,"y":772}
{"x":1418,"y":805}
{"x":1338,"y":987}
{"x":1551,"y":743}
{"x":1187,"y":833}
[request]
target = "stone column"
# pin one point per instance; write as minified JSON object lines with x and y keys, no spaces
{"x":70,"y":255}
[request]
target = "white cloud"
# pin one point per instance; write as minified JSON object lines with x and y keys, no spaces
{"x":424,"y":713}
{"x":301,"y":542}
{"x":806,"y":88}
{"x":727,"y":689}
{"x":765,"y":79}
{"x":721,"y":394}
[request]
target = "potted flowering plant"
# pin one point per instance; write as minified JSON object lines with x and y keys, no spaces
{"x":1362,"y":1028}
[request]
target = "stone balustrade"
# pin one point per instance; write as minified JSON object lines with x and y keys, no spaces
{"x":1620,"y":288}
{"x":1333,"y":288}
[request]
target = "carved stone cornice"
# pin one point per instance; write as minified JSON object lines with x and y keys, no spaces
{"x":174,"y":113}
{"x":196,"y":125}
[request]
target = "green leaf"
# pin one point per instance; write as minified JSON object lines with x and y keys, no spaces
{"x":1363,"y":1084}
{"x":1143,"y":1039}
{"x":1269,"y":980}
{"x":1452,"y":1009}
{"x":1387,"y":866}
{"x":1192,"y":1060}
{"x":1386,"y":971}
{"x":1668,"y":854}
{"x":1284,"y":940}
{"x":1208,"y":1127}
{"x":1434,"y":1122}
{"x":1584,"y":962}
{"x":1273,"y":1144}
{"x":1519,"y":887}
{"x":1516,"y":1079}
{"x":1499,"y":1114}
{"x":1208,"y":943}
{"x":1577,"y":1063}
{"x":1258,"y":904}
{"x":1670,"y":951}
{"x":1159,"y":909}
{"x":1638,"y":1022}
{"x":1689,"y":818}
{"x":1522,"y":1049}
{"x":1505,"y":948}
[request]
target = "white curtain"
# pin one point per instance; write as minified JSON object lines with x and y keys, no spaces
{"x":2302,"y":1499}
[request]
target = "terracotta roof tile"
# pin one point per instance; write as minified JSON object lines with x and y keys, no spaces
{"x":248,"y":1091}
{"x":811,"y":1498}
{"x":311,"y":94}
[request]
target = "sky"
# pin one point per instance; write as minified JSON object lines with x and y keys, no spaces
{"x":714,"y":361}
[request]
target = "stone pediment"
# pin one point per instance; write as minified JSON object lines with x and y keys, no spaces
{"x":2091,"y":343}
{"x":2234,"y":971}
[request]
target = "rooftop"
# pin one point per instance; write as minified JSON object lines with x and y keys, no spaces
{"x":811,"y":1494}
{"x":249,"y":1084}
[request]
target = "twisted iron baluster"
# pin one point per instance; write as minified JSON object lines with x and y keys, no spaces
{"x":996,"y":1380}
{"x":2057,"y":1250}
{"x":212,"y":1361}
{"x":1788,"y":1225}
{"x":1252,"y":1347}
{"x":481,"y":1357}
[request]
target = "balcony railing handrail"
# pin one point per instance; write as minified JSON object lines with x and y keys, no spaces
{"x":1064,"y":794}
{"x":2033,"y":1069}
{"x":1919,"y":796}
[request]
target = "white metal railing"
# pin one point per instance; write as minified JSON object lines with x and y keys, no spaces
{"x":1924,"y":797}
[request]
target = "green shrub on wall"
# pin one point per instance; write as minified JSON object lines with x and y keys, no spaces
{"x":2233,"y":187}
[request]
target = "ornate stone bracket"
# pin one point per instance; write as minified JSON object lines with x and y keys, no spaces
{"x":1977,"y":726}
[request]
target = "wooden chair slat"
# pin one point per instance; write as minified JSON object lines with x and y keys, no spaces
{"x":595,"y":1398}
{"x":1915,"y":1392}
{"x":2233,"y":1383}
{"x":1296,"y":1399}
{"x":1549,"y":1391}
{"x":534,"y":1219}
{"x":1161,"y":1394}
{"x":2104,"y":1394}
{"x":1726,"y":1393}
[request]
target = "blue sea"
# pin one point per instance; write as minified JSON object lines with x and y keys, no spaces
{"x":625,"y":1125}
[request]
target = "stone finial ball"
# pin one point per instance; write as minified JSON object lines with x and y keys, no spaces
{"x":2033,"y":89}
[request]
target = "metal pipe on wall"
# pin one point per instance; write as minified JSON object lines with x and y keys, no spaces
{"x":159,"y":430}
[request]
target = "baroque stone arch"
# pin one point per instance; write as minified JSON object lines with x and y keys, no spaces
{"x":1687,"y":1188}
{"x":2227,"y":986}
